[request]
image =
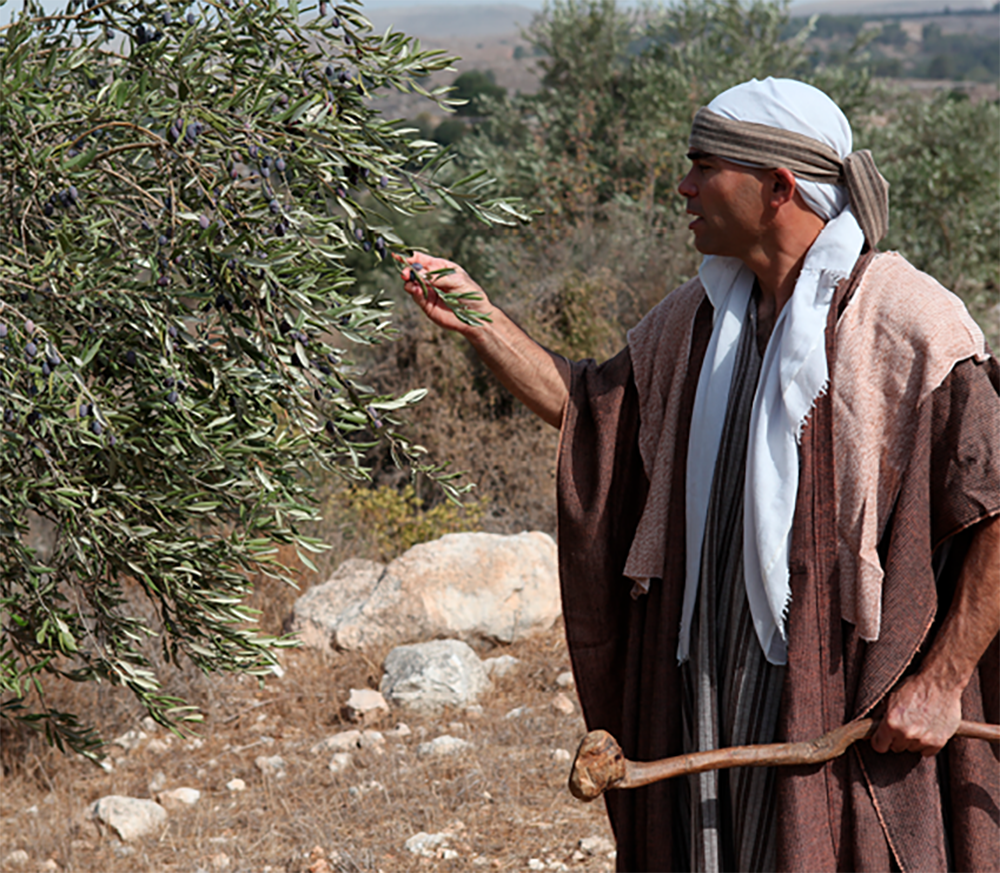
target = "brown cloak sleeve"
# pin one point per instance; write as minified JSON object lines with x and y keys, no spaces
{"x":844,"y":815}
{"x":624,"y":651}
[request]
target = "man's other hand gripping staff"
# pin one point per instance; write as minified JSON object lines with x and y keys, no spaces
{"x":923,"y":712}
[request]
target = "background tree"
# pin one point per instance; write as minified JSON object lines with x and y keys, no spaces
{"x":599,"y":150}
{"x":184,"y":190}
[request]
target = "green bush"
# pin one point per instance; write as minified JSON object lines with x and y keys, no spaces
{"x":382,"y":522}
{"x":941,"y":157}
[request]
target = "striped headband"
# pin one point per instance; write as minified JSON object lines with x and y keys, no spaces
{"x":805,"y":157}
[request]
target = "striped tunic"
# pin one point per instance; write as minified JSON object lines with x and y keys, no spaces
{"x":731,"y":693}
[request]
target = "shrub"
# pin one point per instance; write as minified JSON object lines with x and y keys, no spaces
{"x":382,"y":522}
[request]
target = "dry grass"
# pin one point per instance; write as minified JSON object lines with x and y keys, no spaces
{"x":506,"y":802}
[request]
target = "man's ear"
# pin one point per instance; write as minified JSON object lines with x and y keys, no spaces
{"x":783,"y":187}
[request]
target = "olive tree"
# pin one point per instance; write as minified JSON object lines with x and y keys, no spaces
{"x":184,"y":188}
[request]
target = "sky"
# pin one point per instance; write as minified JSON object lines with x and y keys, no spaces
{"x":10,"y":7}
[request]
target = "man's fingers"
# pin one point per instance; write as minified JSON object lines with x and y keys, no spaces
{"x":882,"y":738}
{"x":906,"y":739}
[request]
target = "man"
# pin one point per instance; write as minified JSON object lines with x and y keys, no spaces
{"x":779,"y":510}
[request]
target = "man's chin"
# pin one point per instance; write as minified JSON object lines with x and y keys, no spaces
{"x":703,"y":246}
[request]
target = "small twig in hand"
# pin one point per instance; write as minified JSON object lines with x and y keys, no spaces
{"x":454,"y":301}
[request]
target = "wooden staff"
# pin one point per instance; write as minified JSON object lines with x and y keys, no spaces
{"x":600,"y":764}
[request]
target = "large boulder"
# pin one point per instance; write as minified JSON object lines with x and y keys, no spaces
{"x":489,"y":586}
{"x":351,"y":610}
{"x":426,"y":677}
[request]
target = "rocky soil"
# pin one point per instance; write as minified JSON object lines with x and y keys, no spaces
{"x":281,"y":780}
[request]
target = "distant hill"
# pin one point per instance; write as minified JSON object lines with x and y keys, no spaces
{"x":805,"y":8}
{"x":460,"y":19}
{"x":465,"y":20}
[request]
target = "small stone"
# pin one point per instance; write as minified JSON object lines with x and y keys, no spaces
{"x":562,"y":704}
{"x":129,"y":817}
{"x":561,"y":756}
{"x":178,"y":798}
{"x":340,"y":762}
{"x":130,"y":739}
{"x":474,"y":711}
{"x":50,"y":866}
{"x":536,"y":864}
{"x":158,"y":782}
{"x":364,"y":788}
{"x":442,"y":746}
{"x":16,"y":859}
{"x":220,"y":861}
{"x":501,"y":666}
{"x":516,"y":712}
{"x":318,"y":862}
{"x":427,"y":845}
{"x":400,"y":730}
{"x":236,"y":785}
{"x":596,"y":845}
{"x":566,"y":680}
{"x":158,"y":746}
{"x":273,"y":766}
{"x":342,"y":742}
{"x":365,"y":706}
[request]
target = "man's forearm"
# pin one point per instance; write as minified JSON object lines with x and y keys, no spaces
{"x":535,"y":376}
{"x":974,"y":617}
{"x":923,"y":713}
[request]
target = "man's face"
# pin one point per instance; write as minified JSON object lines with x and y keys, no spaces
{"x":729,"y":203}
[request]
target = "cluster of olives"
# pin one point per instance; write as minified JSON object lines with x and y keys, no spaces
{"x":143,"y":36}
{"x":67,"y":198}
{"x":89,"y":410}
{"x":190,"y":134}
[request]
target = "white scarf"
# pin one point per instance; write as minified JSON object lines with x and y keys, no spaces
{"x":793,"y":374}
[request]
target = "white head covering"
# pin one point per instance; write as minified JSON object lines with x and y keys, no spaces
{"x":793,"y":372}
{"x":796,"y":106}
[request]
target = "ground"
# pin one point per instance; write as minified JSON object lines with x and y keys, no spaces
{"x":505,"y":804}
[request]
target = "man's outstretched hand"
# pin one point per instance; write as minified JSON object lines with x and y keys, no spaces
{"x":457,"y":281}
{"x":536,"y":376}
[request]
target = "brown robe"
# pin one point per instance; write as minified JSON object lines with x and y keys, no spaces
{"x":863,"y":811}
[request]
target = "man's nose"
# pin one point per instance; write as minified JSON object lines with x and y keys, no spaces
{"x":687,"y":188}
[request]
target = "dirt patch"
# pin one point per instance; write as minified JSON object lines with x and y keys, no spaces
{"x":503,"y":805}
